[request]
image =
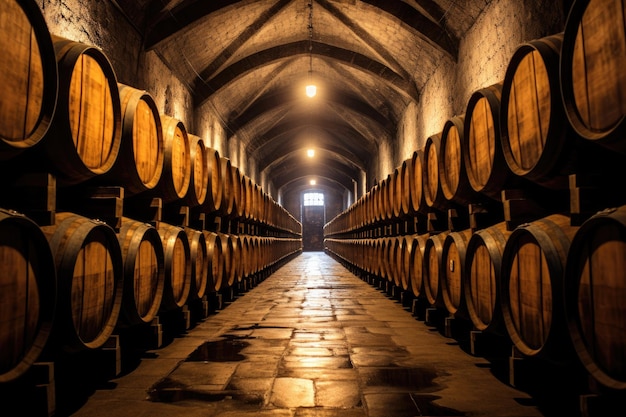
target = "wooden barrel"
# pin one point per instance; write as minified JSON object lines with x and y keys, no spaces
{"x":248,"y":189}
{"x":177,"y":266}
{"x":395,"y":260}
{"x":416,"y":272}
{"x":176,"y":177}
{"x":213,"y":199}
{"x":216,"y":263}
{"x":384,"y":203}
{"x":228,"y":260}
{"x":144,"y":278}
{"x":593,"y":82}
{"x":90,"y":278}
{"x":433,"y":194}
{"x":257,"y":195}
{"x":416,"y":182}
{"x":245,"y":259}
{"x":29,"y":294}
{"x":29,"y":77}
{"x":237,"y":259}
{"x":378,"y":257}
{"x":403,"y":261}
{"x":384,"y":250}
{"x":455,"y":185}
{"x":482,"y":284}
{"x":595,"y":291}
{"x":381,"y":200}
{"x":452,"y":277}
{"x":534,"y":137}
{"x":533,"y":265}
{"x":403,"y":186}
{"x":433,"y":269}
{"x":199,"y":174}
{"x":199,"y":263}
{"x":84,"y":138}
{"x":228,"y":197}
{"x":395,"y":193}
{"x":485,"y":166}
{"x":139,"y":163}
{"x":367,"y":255}
{"x":239,"y":202}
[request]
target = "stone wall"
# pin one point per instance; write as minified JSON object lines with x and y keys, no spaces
{"x":484,"y":55}
{"x":103,"y":25}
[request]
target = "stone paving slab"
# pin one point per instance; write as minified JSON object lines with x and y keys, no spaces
{"x":312,"y":340}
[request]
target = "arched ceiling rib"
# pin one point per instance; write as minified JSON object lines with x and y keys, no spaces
{"x":204,"y":88}
{"x":248,"y":61}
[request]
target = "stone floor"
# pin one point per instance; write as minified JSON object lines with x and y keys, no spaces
{"x":310,"y":340}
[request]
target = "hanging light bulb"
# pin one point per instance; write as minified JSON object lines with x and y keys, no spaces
{"x":311,"y":88}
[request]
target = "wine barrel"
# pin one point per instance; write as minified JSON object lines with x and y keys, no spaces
{"x":485,"y":165}
{"x":455,"y":185}
{"x":403,"y":260}
{"x":403,"y":186}
{"x":199,"y":174}
{"x":90,"y":278}
{"x":482,"y":284}
{"x":533,"y":265}
{"x":433,"y":269}
{"x":177,"y":266}
{"x":176,"y":177}
{"x":395,"y":193}
{"x":29,"y":294}
{"x":376,"y":257}
{"x":213,"y":198}
{"x":452,"y":277}
{"x":228,"y":197}
{"x":381,"y":193}
{"x":416,"y":272}
{"x":395,"y":257}
{"x":254,"y":202}
{"x":383,"y":253}
{"x":433,"y":194}
{"x":199,"y":263}
{"x":239,"y":202}
{"x":592,"y":78}
{"x":139,"y":163}
{"x":384,"y":201}
{"x":416,"y":183}
{"x":85,"y":135}
{"x":29,"y":77}
{"x":144,"y":277}
{"x":248,"y":190}
{"x":215,"y":258}
{"x":228,"y":260}
{"x":237,"y":259}
{"x":535,"y":140}
{"x":595,"y":274}
{"x":245,"y":257}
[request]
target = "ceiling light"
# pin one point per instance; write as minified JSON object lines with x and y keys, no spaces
{"x":312,"y":182}
{"x":311,"y":88}
{"x":310,"y":153}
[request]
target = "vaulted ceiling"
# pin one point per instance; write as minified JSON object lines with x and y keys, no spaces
{"x":249,"y":60}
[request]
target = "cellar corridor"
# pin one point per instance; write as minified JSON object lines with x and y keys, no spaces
{"x":313,"y":339}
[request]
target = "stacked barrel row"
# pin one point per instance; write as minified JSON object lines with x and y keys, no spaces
{"x":553,"y":282}
{"x":70,"y":282}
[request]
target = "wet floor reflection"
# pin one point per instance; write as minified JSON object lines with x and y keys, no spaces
{"x":225,"y":350}
{"x":410,"y":379}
